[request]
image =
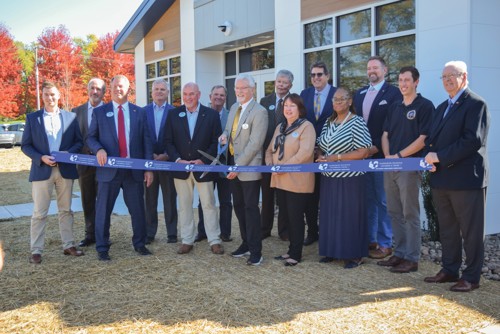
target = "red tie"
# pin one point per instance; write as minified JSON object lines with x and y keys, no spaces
{"x":122,"y":139}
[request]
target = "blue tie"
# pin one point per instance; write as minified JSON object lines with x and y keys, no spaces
{"x":450,"y":104}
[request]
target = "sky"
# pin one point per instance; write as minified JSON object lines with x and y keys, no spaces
{"x":26,"y":19}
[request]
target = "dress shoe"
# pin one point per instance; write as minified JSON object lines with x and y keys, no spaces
{"x":86,"y":242}
{"x":103,"y":256}
{"x":73,"y":251}
{"x":142,"y":250}
{"x":255,"y":260}
{"x":240,"y":252}
{"x":172,"y":240}
{"x":184,"y":249}
{"x":326,"y":259}
{"x":36,"y":258}
{"x":441,"y":277}
{"x":199,"y":238}
{"x":380,"y":253}
{"x":291,"y":262}
{"x":149,"y":240}
{"x":464,"y":286}
{"x":226,"y":238}
{"x":310,"y":239}
{"x":282,"y":257}
{"x":372,"y":246}
{"x":405,"y":267}
{"x":284,"y":238}
{"x":265,"y":236}
{"x":352,"y":263}
{"x":393,"y":261}
{"x":217,"y":249}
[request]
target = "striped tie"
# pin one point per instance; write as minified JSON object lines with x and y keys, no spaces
{"x":317,"y":106}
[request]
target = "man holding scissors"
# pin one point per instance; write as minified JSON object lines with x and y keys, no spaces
{"x":192,"y":128}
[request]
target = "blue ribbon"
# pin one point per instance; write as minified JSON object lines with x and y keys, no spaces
{"x":368,"y":165}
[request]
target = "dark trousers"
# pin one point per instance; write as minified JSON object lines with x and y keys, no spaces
{"x":133,"y":195}
{"x":246,"y":208}
{"x":312,"y":208}
{"x":294,"y":204}
{"x":88,"y":189}
{"x":461,"y":215}
{"x":267,"y":211}
{"x":164,"y":181}
{"x":225,"y":208}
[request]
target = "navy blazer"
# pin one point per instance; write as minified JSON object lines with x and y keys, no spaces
{"x":102,"y":135}
{"x":158,"y":143}
{"x":307,"y":96}
{"x":35,"y":144}
{"x":180,"y":145}
{"x":460,"y":143}
{"x":386,"y":96}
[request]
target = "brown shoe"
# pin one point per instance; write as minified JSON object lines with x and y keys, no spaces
{"x":405,"y":267}
{"x":184,"y":249}
{"x":392,"y":262}
{"x":36,"y":258}
{"x":464,"y":286}
{"x":441,"y":277}
{"x":73,"y":251}
{"x":217,"y":249}
{"x":380,"y":253}
{"x":372,"y":246}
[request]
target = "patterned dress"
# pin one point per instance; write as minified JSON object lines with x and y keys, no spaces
{"x":343,"y":230}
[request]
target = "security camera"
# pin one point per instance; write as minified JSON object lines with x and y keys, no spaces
{"x":226,"y":28}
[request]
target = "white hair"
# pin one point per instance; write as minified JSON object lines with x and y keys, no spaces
{"x":247,"y":77}
{"x":460,"y":66}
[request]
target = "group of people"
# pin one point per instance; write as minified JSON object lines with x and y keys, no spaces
{"x":360,"y":214}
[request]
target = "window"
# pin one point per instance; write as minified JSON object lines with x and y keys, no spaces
{"x":257,"y":58}
{"x":387,"y":30}
{"x":170,"y":70}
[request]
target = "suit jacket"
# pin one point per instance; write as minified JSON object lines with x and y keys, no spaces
{"x":158,"y":143}
{"x":102,"y":135}
{"x":269,"y":102}
{"x":35,"y":144}
{"x":386,"y":96}
{"x":249,"y":139}
{"x":81,"y":115}
{"x":460,"y":143}
{"x":180,"y":145}
{"x":308,"y":96}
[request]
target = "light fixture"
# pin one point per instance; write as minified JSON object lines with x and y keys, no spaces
{"x":159,"y":45}
{"x":226,"y":28}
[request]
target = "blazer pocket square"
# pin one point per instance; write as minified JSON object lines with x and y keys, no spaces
{"x":382,"y":102}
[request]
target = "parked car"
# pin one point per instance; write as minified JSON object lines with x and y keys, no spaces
{"x":7,"y":138}
{"x":17,"y":129}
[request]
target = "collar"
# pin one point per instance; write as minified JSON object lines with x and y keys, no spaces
{"x":325,"y":89}
{"x":378,"y":86}
{"x":90,"y":106}
{"x":124,"y":106}
{"x":245,"y":105}
{"x":163,"y":105}
{"x":457,"y":95}
{"x":196,"y":110}
{"x":54,"y":113}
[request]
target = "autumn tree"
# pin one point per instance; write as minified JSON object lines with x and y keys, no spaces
{"x":105,"y":63}
{"x":10,"y":75}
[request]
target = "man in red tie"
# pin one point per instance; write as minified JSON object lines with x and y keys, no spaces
{"x":119,"y":129}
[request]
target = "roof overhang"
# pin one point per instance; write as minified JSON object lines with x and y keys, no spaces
{"x":139,"y":25}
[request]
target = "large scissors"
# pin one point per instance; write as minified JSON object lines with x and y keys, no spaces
{"x":215,"y":160}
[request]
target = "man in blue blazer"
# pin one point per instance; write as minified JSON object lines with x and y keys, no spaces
{"x":48,"y":130}
{"x":372,"y":102}
{"x":157,"y":113}
{"x":119,"y":129}
{"x":458,"y":153}
{"x":190,"y":128}
{"x":318,"y":102}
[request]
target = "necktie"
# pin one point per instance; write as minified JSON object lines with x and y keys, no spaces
{"x":368,"y":102}
{"x":317,"y":106}
{"x":233,"y":130}
{"x":279,"y":111}
{"x":122,"y":138}
{"x":450,"y":104}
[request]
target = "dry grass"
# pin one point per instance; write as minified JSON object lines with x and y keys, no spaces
{"x":204,"y":293}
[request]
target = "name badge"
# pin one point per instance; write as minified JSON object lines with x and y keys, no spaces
{"x":272,"y":107}
{"x":295,"y":134}
{"x":110,"y":114}
{"x":244,"y":126}
{"x":182,"y":114}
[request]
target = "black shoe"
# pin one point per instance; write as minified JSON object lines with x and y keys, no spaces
{"x":310,"y":240}
{"x":199,"y":238}
{"x":143,"y":251}
{"x":240,"y":252}
{"x":225,"y":238}
{"x":172,"y":240}
{"x":103,"y":256}
{"x":149,"y":240}
{"x":255,"y":260}
{"x":86,"y":242}
{"x":326,"y":259}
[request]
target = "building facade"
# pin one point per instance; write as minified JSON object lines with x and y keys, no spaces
{"x":211,"y":41}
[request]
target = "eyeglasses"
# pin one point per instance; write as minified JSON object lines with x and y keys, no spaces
{"x":319,"y":75}
{"x":340,"y":99}
{"x":242,"y":88}
{"x":450,"y":76}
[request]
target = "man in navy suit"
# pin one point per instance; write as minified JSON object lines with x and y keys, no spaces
{"x":157,"y":113}
{"x":47,"y":130}
{"x":119,"y":129}
{"x":318,"y":102}
{"x":372,"y":102}
{"x":218,"y":96}
{"x":190,"y":128}
{"x":96,"y":89}
{"x":458,"y":153}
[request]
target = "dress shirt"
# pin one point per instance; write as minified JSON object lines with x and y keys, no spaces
{"x":53,"y":128}
{"x":192,"y":116}
{"x":158,"y":112}
{"x":90,"y":110}
{"x":126,"y":116}
{"x":323,"y":97}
